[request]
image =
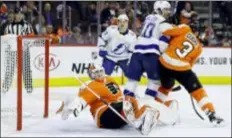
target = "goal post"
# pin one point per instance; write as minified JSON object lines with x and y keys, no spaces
{"x":17,"y":57}
{"x":21,"y":40}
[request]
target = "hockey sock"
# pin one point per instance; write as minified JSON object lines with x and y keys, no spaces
{"x":202,"y":99}
{"x":130,"y":88}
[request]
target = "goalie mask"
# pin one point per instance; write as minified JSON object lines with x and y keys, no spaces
{"x":96,"y":72}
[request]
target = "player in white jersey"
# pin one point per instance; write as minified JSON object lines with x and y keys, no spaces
{"x":148,"y":47}
{"x":116,"y":45}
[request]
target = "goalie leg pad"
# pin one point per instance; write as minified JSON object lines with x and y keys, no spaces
{"x":147,"y":119}
{"x":130,"y":107}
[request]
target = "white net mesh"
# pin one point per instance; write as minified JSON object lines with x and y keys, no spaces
{"x":33,"y":82}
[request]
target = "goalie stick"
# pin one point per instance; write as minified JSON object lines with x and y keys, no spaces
{"x":106,"y":103}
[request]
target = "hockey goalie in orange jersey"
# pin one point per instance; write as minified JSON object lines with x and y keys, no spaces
{"x":144,"y":118}
{"x":176,"y":63}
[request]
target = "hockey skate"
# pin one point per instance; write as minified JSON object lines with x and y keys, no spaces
{"x":214,"y":119}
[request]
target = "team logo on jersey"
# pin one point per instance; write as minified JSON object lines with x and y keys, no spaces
{"x":121,"y":48}
{"x":113,"y":88}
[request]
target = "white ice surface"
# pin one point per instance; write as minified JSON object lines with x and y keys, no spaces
{"x":84,"y":126}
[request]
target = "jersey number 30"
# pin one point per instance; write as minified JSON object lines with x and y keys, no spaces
{"x":188,"y":47}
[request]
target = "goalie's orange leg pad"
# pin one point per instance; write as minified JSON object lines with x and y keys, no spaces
{"x":138,"y":111}
{"x":202,"y":98}
{"x":133,"y":101}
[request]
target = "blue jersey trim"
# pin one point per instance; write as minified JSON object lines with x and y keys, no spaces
{"x":146,"y":47}
{"x":164,"y":39}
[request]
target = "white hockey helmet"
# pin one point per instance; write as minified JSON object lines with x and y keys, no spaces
{"x":123,"y":17}
{"x":96,"y":72}
{"x":163,"y":8}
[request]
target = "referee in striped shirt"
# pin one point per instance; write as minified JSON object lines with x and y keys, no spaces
{"x":18,"y":27}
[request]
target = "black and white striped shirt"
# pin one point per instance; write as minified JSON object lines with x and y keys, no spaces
{"x":19,"y":28}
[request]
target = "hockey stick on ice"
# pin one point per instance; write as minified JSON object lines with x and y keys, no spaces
{"x":106,"y":103}
{"x":194,"y":108}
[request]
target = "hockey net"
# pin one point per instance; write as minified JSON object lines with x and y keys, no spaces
{"x":24,"y":85}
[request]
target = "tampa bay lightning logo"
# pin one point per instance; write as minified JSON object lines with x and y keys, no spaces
{"x":121,"y":48}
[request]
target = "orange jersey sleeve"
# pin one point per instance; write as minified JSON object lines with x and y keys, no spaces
{"x":183,"y":50}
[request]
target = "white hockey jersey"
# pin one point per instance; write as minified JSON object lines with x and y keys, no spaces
{"x":118,"y":46}
{"x":151,"y":39}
